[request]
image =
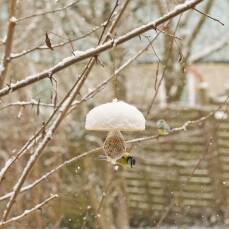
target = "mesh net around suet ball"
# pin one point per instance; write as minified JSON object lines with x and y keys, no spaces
{"x":114,"y":145}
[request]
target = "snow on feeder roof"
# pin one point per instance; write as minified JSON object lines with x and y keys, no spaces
{"x":115,"y":115}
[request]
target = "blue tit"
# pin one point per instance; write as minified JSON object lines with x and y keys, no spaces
{"x":126,"y":159}
{"x":114,"y":146}
{"x":163,"y":127}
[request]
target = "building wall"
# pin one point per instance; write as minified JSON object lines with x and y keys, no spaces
{"x":140,"y":78}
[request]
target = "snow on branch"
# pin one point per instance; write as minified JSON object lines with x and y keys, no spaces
{"x":44,"y":47}
{"x":66,"y":62}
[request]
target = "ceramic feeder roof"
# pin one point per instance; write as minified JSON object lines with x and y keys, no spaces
{"x":116,"y":115}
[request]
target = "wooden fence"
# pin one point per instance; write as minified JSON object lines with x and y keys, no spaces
{"x":163,"y":182}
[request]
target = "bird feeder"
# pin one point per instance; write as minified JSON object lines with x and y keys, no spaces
{"x":115,"y":117}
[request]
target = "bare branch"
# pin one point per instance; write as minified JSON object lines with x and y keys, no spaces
{"x":29,"y":211}
{"x":156,"y":91}
{"x":45,"y":176}
{"x":198,"y":26}
{"x":108,"y":21}
{"x":22,"y":19}
{"x":99,"y":49}
{"x":9,"y":41}
{"x":206,"y":15}
{"x":26,"y":103}
{"x":44,"y":47}
{"x":209,"y":50}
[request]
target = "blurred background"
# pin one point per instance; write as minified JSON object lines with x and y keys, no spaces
{"x":179,"y":181}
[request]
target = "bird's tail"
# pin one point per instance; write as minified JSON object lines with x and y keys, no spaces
{"x":106,"y":158}
{"x":102,"y":157}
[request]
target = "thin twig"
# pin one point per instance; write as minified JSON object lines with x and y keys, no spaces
{"x":9,"y":41}
{"x":28,"y":211}
{"x":44,"y":47}
{"x":46,"y":175}
{"x":198,"y":27}
{"x":156,"y":92}
{"x":184,"y":127}
{"x":206,"y":52}
{"x":207,"y":15}
{"x":104,"y":195}
{"x":157,"y":86}
{"x":47,"y":12}
{"x":26,"y":103}
{"x":108,"y":21}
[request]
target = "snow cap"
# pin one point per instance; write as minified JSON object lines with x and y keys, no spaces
{"x":115,"y":115}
